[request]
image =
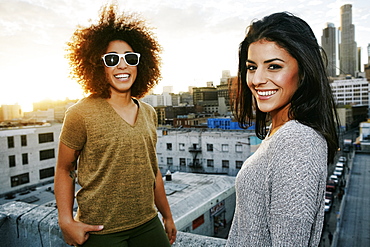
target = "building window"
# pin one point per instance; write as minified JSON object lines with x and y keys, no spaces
{"x":19,"y":179}
{"x":47,"y":173}
{"x":23,"y":140}
{"x":225,"y":164}
{"x":238,"y":148}
{"x":169,"y":161}
{"x":198,"y":222}
{"x":25,"y":159}
{"x":47,"y":154}
{"x":225,"y":147}
{"x":10,"y":141}
{"x":182,"y":162}
{"x":210,"y":163}
{"x":209,"y":147}
{"x":169,"y":146}
{"x":46,"y":137}
{"x":11,"y":160}
{"x":182,"y":146}
{"x":189,"y":161}
{"x":238,"y":164}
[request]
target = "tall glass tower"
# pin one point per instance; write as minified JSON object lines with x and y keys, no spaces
{"x":328,"y":43}
{"x":347,"y":46}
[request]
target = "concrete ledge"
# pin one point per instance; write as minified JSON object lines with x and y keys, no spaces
{"x":193,"y":240}
{"x":23,"y":224}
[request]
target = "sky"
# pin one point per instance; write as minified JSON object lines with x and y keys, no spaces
{"x":200,"y":39}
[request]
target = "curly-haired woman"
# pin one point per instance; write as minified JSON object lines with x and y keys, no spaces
{"x":109,"y":137}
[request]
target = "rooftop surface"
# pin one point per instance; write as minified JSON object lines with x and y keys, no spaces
{"x":193,"y":193}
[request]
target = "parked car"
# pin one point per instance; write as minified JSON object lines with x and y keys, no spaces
{"x":328,"y":204}
{"x":329,"y":195}
{"x":334,"y":178}
{"x":339,"y":164}
{"x":342,"y":159}
{"x":338,"y":171}
{"x":330,"y":185}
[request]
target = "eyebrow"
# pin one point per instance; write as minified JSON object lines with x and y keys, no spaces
{"x":120,"y":53}
{"x":267,"y":61}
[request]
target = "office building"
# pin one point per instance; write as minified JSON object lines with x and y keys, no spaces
{"x":347,"y":46}
{"x":329,"y":44}
{"x":367,"y":66}
{"x":211,"y":151}
{"x":10,"y":112}
{"x":351,"y":91}
{"x":27,"y":156}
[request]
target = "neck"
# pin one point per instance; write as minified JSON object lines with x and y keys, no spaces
{"x":121,"y":100}
{"x":279,"y":120}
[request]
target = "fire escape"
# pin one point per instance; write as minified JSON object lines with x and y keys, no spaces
{"x":196,"y":150}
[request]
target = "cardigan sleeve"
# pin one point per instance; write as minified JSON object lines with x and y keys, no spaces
{"x":297,"y":177}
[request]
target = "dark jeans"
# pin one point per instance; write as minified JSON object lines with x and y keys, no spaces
{"x":150,"y":234}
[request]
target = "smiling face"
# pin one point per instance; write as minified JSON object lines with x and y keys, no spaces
{"x":272,"y":76}
{"x":122,"y":76}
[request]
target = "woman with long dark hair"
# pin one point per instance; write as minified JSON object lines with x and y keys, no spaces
{"x":284,"y":89}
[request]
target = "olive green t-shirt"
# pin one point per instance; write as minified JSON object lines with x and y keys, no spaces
{"x":117,"y":165}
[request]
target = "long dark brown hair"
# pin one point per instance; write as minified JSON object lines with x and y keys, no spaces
{"x":313,"y":103}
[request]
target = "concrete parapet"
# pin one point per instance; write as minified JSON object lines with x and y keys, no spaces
{"x":23,"y":224}
{"x":192,"y":240}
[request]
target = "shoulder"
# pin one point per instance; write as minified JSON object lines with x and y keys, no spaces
{"x":296,"y":130}
{"x":298,"y":137}
{"x":85,"y":105}
{"x":146,"y":107}
{"x":297,"y":147}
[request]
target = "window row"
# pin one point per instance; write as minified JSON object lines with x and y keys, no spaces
{"x":44,"y":155}
{"x":43,"y":138}
{"x":210,"y":147}
{"x":25,"y":177}
{"x":210,"y":162}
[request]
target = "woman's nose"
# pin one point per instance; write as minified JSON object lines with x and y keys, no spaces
{"x":122,"y":63}
{"x":258,"y":77}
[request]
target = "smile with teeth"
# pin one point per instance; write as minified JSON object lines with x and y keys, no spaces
{"x":122,"y":76}
{"x":266,"y":93}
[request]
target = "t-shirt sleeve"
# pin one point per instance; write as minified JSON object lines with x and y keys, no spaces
{"x":299,"y":163}
{"x":73,"y":133}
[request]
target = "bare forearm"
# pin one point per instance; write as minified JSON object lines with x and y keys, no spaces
{"x":64,"y":182}
{"x":64,"y":188}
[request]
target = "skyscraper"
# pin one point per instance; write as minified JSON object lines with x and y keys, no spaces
{"x":347,"y":46}
{"x":328,"y":43}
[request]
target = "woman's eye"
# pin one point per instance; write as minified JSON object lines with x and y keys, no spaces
{"x":251,"y":67}
{"x":274,"y":66}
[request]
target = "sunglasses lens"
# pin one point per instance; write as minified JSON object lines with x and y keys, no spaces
{"x":132,"y":59}
{"x":111,"y":60}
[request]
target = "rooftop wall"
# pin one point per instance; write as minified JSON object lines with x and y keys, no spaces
{"x":23,"y":224}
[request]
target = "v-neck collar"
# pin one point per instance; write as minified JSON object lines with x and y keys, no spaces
{"x":118,"y":116}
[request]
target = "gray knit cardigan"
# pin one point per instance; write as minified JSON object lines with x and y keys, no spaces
{"x":280,"y":191}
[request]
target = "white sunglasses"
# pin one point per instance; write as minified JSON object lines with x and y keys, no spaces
{"x":113,"y":59}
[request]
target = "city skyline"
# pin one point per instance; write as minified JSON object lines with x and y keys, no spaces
{"x":200,"y":40}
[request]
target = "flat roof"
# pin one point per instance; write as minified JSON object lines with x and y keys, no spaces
{"x":191,"y":194}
